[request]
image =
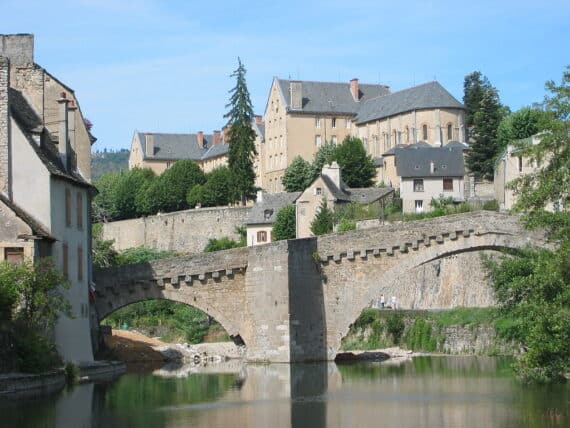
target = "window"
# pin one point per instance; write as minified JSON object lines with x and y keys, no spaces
{"x":449,"y":132}
{"x":267,"y":214}
{"x":425,"y":132}
{"x":365,"y":143}
{"x":318,"y":140}
{"x":418,"y":185}
{"x":419,"y":205}
{"x":317,"y":122}
{"x":407,"y":134}
{"x":334,"y":139}
{"x":14,"y":255}
{"x":262,"y":236}
{"x":334,"y":122}
{"x":386,"y":147}
{"x":395,"y":137}
{"x":79,"y":210}
{"x":520,"y":164}
{"x":68,"y":207}
{"x":65,"y":257}
{"x":79,"y":263}
{"x":318,"y":191}
{"x":377,"y":145}
{"x":347,"y":123}
{"x":448,"y":184}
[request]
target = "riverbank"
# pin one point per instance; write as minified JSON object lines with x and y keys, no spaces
{"x":25,"y":385}
{"x":134,"y":347}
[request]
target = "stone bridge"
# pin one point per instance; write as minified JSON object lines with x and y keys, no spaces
{"x":292,"y":301}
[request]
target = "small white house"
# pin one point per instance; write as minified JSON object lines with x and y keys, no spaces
{"x":263,"y":214}
{"x":428,"y":173}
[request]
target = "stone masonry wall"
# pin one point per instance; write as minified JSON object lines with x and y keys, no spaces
{"x":4,"y":125}
{"x":182,"y":231}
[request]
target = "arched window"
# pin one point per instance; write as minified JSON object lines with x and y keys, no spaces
{"x":425,"y":132}
{"x":449,"y":132}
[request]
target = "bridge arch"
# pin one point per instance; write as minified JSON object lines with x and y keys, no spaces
{"x":365,"y":278}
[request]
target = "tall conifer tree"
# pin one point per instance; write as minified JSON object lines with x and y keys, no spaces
{"x":241,"y":136}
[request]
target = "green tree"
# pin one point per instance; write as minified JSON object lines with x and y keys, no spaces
{"x":241,"y":136}
{"x":178,"y":180}
{"x":475,"y":85}
{"x":103,"y":207}
{"x":218,"y":189}
{"x":152,"y":197}
{"x":285,"y":226}
{"x":125,"y":189}
{"x":323,"y":221}
{"x":484,"y":148}
{"x":356,"y":166}
{"x":522,"y":124}
{"x":533,"y":286}
{"x":298,"y":175}
{"x":224,"y":243}
{"x":324,"y":155}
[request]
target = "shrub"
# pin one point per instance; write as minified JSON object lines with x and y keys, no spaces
{"x":285,"y":224}
{"x":395,"y":326}
{"x":345,"y":225}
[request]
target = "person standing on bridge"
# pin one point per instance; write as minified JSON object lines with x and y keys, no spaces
{"x":382,"y":301}
{"x":394,"y":302}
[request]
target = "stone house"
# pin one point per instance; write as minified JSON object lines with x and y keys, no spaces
{"x":263,"y":215}
{"x":428,"y":173}
{"x":158,"y":151}
{"x":45,"y":194}
{"x":330,"y":187}
{"x":302,"y":115}
{"x":510,"y":165}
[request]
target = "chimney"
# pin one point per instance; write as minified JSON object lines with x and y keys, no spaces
{"x":63,"y":133}
{"x":354,"y":89}
{"x":200,"y":138}
{"x":333,"y":172}
{"x":431,"y":167}
{"x":258,"y":119}
{"x":149,"y":143}
{"x":217,"y":137}
{"x":296,"y":92}
{"x":18,"y":48}
{"x":71,"y":112}
{"x":259,"y":198}
{"x":4,"y":126}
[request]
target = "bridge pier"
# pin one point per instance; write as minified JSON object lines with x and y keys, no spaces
{"x":285,"y":304}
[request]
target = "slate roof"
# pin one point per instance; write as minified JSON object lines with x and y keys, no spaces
{"x":392,"y":151}
{"x":330,"y":97}
{"x":30,"y":123}
{"x":272,"y":202}
{"x":448,"y":162}
{"x":182,"y":146}
{"x":425,"y":96}
{"x":37,"y":229}
{"x":362,"y":195}
{"x":259,"y":129}
{"x":458,"y":144}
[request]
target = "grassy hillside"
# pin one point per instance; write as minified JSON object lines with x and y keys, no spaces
{"x":108,"y":161}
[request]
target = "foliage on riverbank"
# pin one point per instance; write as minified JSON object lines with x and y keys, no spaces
{"x":420,"y":330}
{"x":31,"y":300}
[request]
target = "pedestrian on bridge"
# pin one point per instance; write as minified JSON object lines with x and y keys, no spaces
{"x":394,"y":303}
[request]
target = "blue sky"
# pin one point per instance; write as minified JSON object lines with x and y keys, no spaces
{"x":164,"y":65}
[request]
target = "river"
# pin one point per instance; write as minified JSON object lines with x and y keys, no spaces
{"x":420,"y":392}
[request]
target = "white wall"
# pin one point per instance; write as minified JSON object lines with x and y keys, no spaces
{"x":433,"y":188}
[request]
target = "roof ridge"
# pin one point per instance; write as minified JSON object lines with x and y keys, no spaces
{"x":331,"y":82}
{"x":404,"y":90}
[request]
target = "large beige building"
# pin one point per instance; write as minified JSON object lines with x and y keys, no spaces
{"x":45,"y":194}
{"x":158,"y":151}
{"x":300,"y":116}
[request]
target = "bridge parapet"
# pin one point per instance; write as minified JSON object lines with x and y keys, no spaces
{"x":403,"y":237}
{"x":172,"y":272}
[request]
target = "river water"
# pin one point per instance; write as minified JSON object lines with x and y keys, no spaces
{"x":421,"y":392}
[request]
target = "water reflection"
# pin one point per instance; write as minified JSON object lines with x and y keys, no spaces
{"x":443,"y":392}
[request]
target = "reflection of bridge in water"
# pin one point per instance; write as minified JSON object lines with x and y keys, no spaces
{"x":293,"y":301}
{"x":439,"y":391}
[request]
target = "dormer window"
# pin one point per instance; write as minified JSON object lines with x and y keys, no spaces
{"x":267,"y":214}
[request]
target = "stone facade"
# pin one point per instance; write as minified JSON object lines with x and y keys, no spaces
{"x":182,"y":231}
{"x":45,"y":150}
{"x":295,"y":300}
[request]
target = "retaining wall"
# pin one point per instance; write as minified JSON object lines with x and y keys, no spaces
{"x":182,"y":231}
